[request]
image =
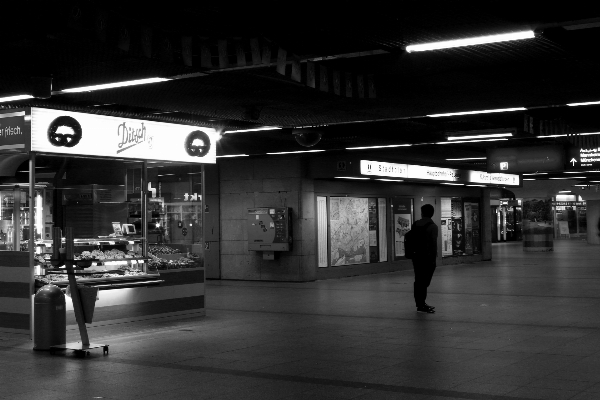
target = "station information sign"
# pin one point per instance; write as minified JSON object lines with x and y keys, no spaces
{"x":422,"y":172}
{"x":583,"y":158}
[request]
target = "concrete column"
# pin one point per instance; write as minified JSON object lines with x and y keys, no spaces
{"x":593,"y":216}
{"x":486,"y":225}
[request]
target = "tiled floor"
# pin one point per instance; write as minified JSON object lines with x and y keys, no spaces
{"x":524,"y":326}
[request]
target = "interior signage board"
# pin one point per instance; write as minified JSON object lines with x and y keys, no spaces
{"x":73,"y":133}
{"x":421,"y":172}
{"x":378,"y":168}
{"x":526,"y":159}
{"x":583,"y":158}
{"x":435,"y":173}
{"x":12,"y":132}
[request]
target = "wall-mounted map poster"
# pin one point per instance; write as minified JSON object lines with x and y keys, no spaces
{"x":402,"y":211}
{"x":349,"y":230}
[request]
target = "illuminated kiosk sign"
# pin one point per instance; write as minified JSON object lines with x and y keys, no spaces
{"x":73,"y":133}
{"x":421,"y":172}
{"x":13,"y":134}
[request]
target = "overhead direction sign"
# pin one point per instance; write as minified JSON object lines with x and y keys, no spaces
{"x":583,"y":158}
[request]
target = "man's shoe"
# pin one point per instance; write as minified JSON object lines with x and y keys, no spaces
{"x":427,"y":305}
{"x":425,"y":309}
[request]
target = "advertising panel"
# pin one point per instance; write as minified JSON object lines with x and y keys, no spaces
{"x":475,"y":227}
{"x":65,"y":132}
{"x":403,"y":219}
{"x":468,"y":229}
{"x":458,"y":240}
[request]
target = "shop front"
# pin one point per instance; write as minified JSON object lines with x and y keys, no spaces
{"x":570,"y":218}
{"x":507,"y":220}
{"x":125,"y":195}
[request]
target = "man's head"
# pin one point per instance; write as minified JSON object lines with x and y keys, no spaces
{"x":427,"y":211}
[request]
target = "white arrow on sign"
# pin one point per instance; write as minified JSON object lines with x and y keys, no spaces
{"x":573,"y":160}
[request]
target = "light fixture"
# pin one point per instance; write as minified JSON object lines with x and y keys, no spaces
{"x":453,"y":184}
{"x":351,"y":177}
{"x":262,"y":128}
{"x":564,"y":191}
{"x":15,"y":98}
{"x":585,"y":103}
{"x":113,"y":85}
{"x":538,"y":173}
{"x":378,"y":147}
{"x":473,"y":141}
{"x":233,"y":155}
{"x":295,"y":152}
{"x":466,"y":158}
{"x":497,"y":110}
{"x":476,"y":185}
{"x":390,"y":180}
{"x":571,"y":177}
{"x":447,"y":44}
{"x":529,"y":179}
{"x":486,"y":135}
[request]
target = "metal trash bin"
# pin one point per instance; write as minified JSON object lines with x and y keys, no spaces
{"x":50,"y":318}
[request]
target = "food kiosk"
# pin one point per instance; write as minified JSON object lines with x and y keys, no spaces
{"x":104,"y":179}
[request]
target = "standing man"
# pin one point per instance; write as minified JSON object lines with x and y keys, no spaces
{"x":424,"y":257}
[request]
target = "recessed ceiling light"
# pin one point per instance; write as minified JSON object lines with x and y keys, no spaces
{"x":454,"y":184}
{"x":472,"y":141}
{"x":390,"y":180}
{"x":447,"y":44}
{"x":571,"y":177}
{"x":15,"y":98}
{"x":497,"y":110}
{"x":296,"y":152}
{"x":233,"y":155}
{"x":466,"y":158}
{"x":113,"y":85}
{"x":262,"y":128}
{"x":350,"y":177}
{"x":482,"y":136}
{"x":529,"y":179}
{"x":377,"y":147}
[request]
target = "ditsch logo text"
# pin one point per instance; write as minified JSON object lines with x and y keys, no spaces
{"x":129,"y":137}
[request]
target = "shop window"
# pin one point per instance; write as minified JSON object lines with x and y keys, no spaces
{"x":460,"y":226}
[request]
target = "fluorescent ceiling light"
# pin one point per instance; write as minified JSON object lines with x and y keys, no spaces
{"x":114,"y":85}
{"x":447,"y":44}
{"x":564,"y":191}
{"x":575,"y":172}
{"x":595,"y":181}
{"x":466,"y":158}
{"x":350,"y":177}
{"x":390,"y":180}
{"x":539,"y":173}
{"x":15,"y":98}
{"x":472,"y":141}
{"x":454,"y":184}
{"x":586,"y":103}
{"x":262,"y":128}
{"x":571,"y":177}
{"x":378,"y":147}
{"x":528,"y":179}
{"x":488,"y":135}
{"x":477,"y":185}
{"x":296,"y":152}
{"x":497,"y":110}
{"x":573,"y":134}
{"x":233,"y":155}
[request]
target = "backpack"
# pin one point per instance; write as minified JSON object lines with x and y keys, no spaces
{"x":414,"y":240}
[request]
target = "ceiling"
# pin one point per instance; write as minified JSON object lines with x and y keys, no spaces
{"x":236,"y":67}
